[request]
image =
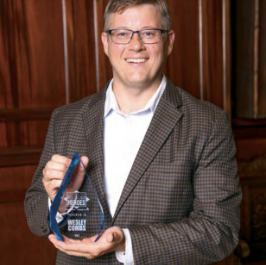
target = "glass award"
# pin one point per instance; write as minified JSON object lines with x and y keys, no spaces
{"x":84,"y":215}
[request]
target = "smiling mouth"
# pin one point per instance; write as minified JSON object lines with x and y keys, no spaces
{"x":137,"y":60}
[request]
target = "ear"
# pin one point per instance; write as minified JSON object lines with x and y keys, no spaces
{"x":105,"y":42}
{"x":171,"y":40}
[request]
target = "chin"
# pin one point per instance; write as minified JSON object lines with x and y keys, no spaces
{"x":137,"y":81}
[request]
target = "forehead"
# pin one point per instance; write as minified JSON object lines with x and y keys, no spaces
{"x":136,"y":18}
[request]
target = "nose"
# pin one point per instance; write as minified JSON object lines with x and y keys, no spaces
{"x":136,"y":43}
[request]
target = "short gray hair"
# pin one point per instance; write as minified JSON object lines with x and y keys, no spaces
{"x":119,"y":6}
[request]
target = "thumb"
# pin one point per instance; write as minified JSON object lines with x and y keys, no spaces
{"x":113,"y":237}
{"x":110,"y":237}
{"x":78,"y":175}
{"x":82,"y":165}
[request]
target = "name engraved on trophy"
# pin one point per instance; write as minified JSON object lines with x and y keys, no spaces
{"x":76,"y":205}
{"x":76,"y":225}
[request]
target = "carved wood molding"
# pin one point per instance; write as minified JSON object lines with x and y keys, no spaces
{"x":258,"y":217}
{"x":240,"y":123}
{"x":20,"y":156}
{"x":254,"y":168}
{"x":12,"y":196}
{"x":253,"y":183}
{"x":11,"y":115}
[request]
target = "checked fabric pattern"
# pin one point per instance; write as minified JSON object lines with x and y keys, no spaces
{"x":182,"y":196}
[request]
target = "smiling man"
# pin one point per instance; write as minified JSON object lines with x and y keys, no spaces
{"x":137,"y":43}
{"x":161,"y":161}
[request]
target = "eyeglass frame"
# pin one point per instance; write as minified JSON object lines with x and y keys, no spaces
{"x":162,"y":31}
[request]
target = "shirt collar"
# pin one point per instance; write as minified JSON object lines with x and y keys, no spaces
{"x":111,"y":103}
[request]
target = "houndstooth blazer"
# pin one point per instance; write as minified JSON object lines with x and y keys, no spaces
{"x":181,"y":199}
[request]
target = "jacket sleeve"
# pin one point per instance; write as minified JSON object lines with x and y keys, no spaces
{"x":36,"y":201}
{"x":210,"y":232}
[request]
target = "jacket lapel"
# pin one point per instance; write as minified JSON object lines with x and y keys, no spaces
{"x":164,"y":120}
{"x":93,"y":125}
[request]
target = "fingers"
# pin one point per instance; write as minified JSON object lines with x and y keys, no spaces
{"x":56,"y":167}
{"x":79,"y":173}
{"x":85,"y":160}
{"x":61,"y":159}
{"x":82,"y":166}
{"x":54,"y":239}
{"x":74,"y":247}
{"x":110,"y":238}
{"x":53,"y":174}
{"x":69,"y":240}
{"x":115,"y":236}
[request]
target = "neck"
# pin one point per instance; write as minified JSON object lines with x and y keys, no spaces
{"x":132,"y":99}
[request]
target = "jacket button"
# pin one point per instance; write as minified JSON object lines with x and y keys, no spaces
{"x":44,"y":229}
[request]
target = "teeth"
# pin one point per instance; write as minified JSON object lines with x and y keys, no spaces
{"x":136,"y":60}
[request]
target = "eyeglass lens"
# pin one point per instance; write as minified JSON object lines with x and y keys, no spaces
{"x":123,"y":36}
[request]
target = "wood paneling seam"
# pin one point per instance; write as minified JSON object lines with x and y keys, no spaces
{"x":256,"y":58}
{"x":65,"y":50}
{"x":33,"y":114}
{"x":201,"y":49}
{"x":95,"y":16}
{"x":226,"y":58}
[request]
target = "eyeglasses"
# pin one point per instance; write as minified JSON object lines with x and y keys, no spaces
{"x":147,"y":36}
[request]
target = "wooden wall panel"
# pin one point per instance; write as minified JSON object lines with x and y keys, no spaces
{"x":17,"y":179}
{"x":250,"y":138}
{"x":253,"y":213}
{"x":183,"y":65}
{"x":31,"y":55}
{"x":85,"y":48}
{"x":80,"y":52}
{"x":262,"y":60}
{"x":244,"y":57}
{"x":89,"y":68}
{"x":249,"y":149}
{"x":212,"y":51}
{"x":105,"y":70}
{"x":18,"y":245}
{"x":250,"y":59}
{"x":20,"y":156}
{"x":23,"y":133}
{"x":16,"y":236}
{"x":200,"y":62}
{"x":32,"y":84}
{"x":249,"y":124}
{"x":31,"y":69}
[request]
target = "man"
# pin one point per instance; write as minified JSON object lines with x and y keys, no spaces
{"x":161,"y":161}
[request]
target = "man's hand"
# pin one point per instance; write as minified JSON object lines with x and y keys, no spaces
{"x":113,"y":239}
{"x":54,"y":172}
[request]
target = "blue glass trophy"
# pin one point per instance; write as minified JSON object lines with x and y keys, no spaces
{"x":84,"y":215}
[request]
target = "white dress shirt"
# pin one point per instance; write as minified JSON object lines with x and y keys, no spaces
{"x":123,"y":135}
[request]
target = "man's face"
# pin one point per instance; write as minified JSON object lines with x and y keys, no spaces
{"x":143,"y":74}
